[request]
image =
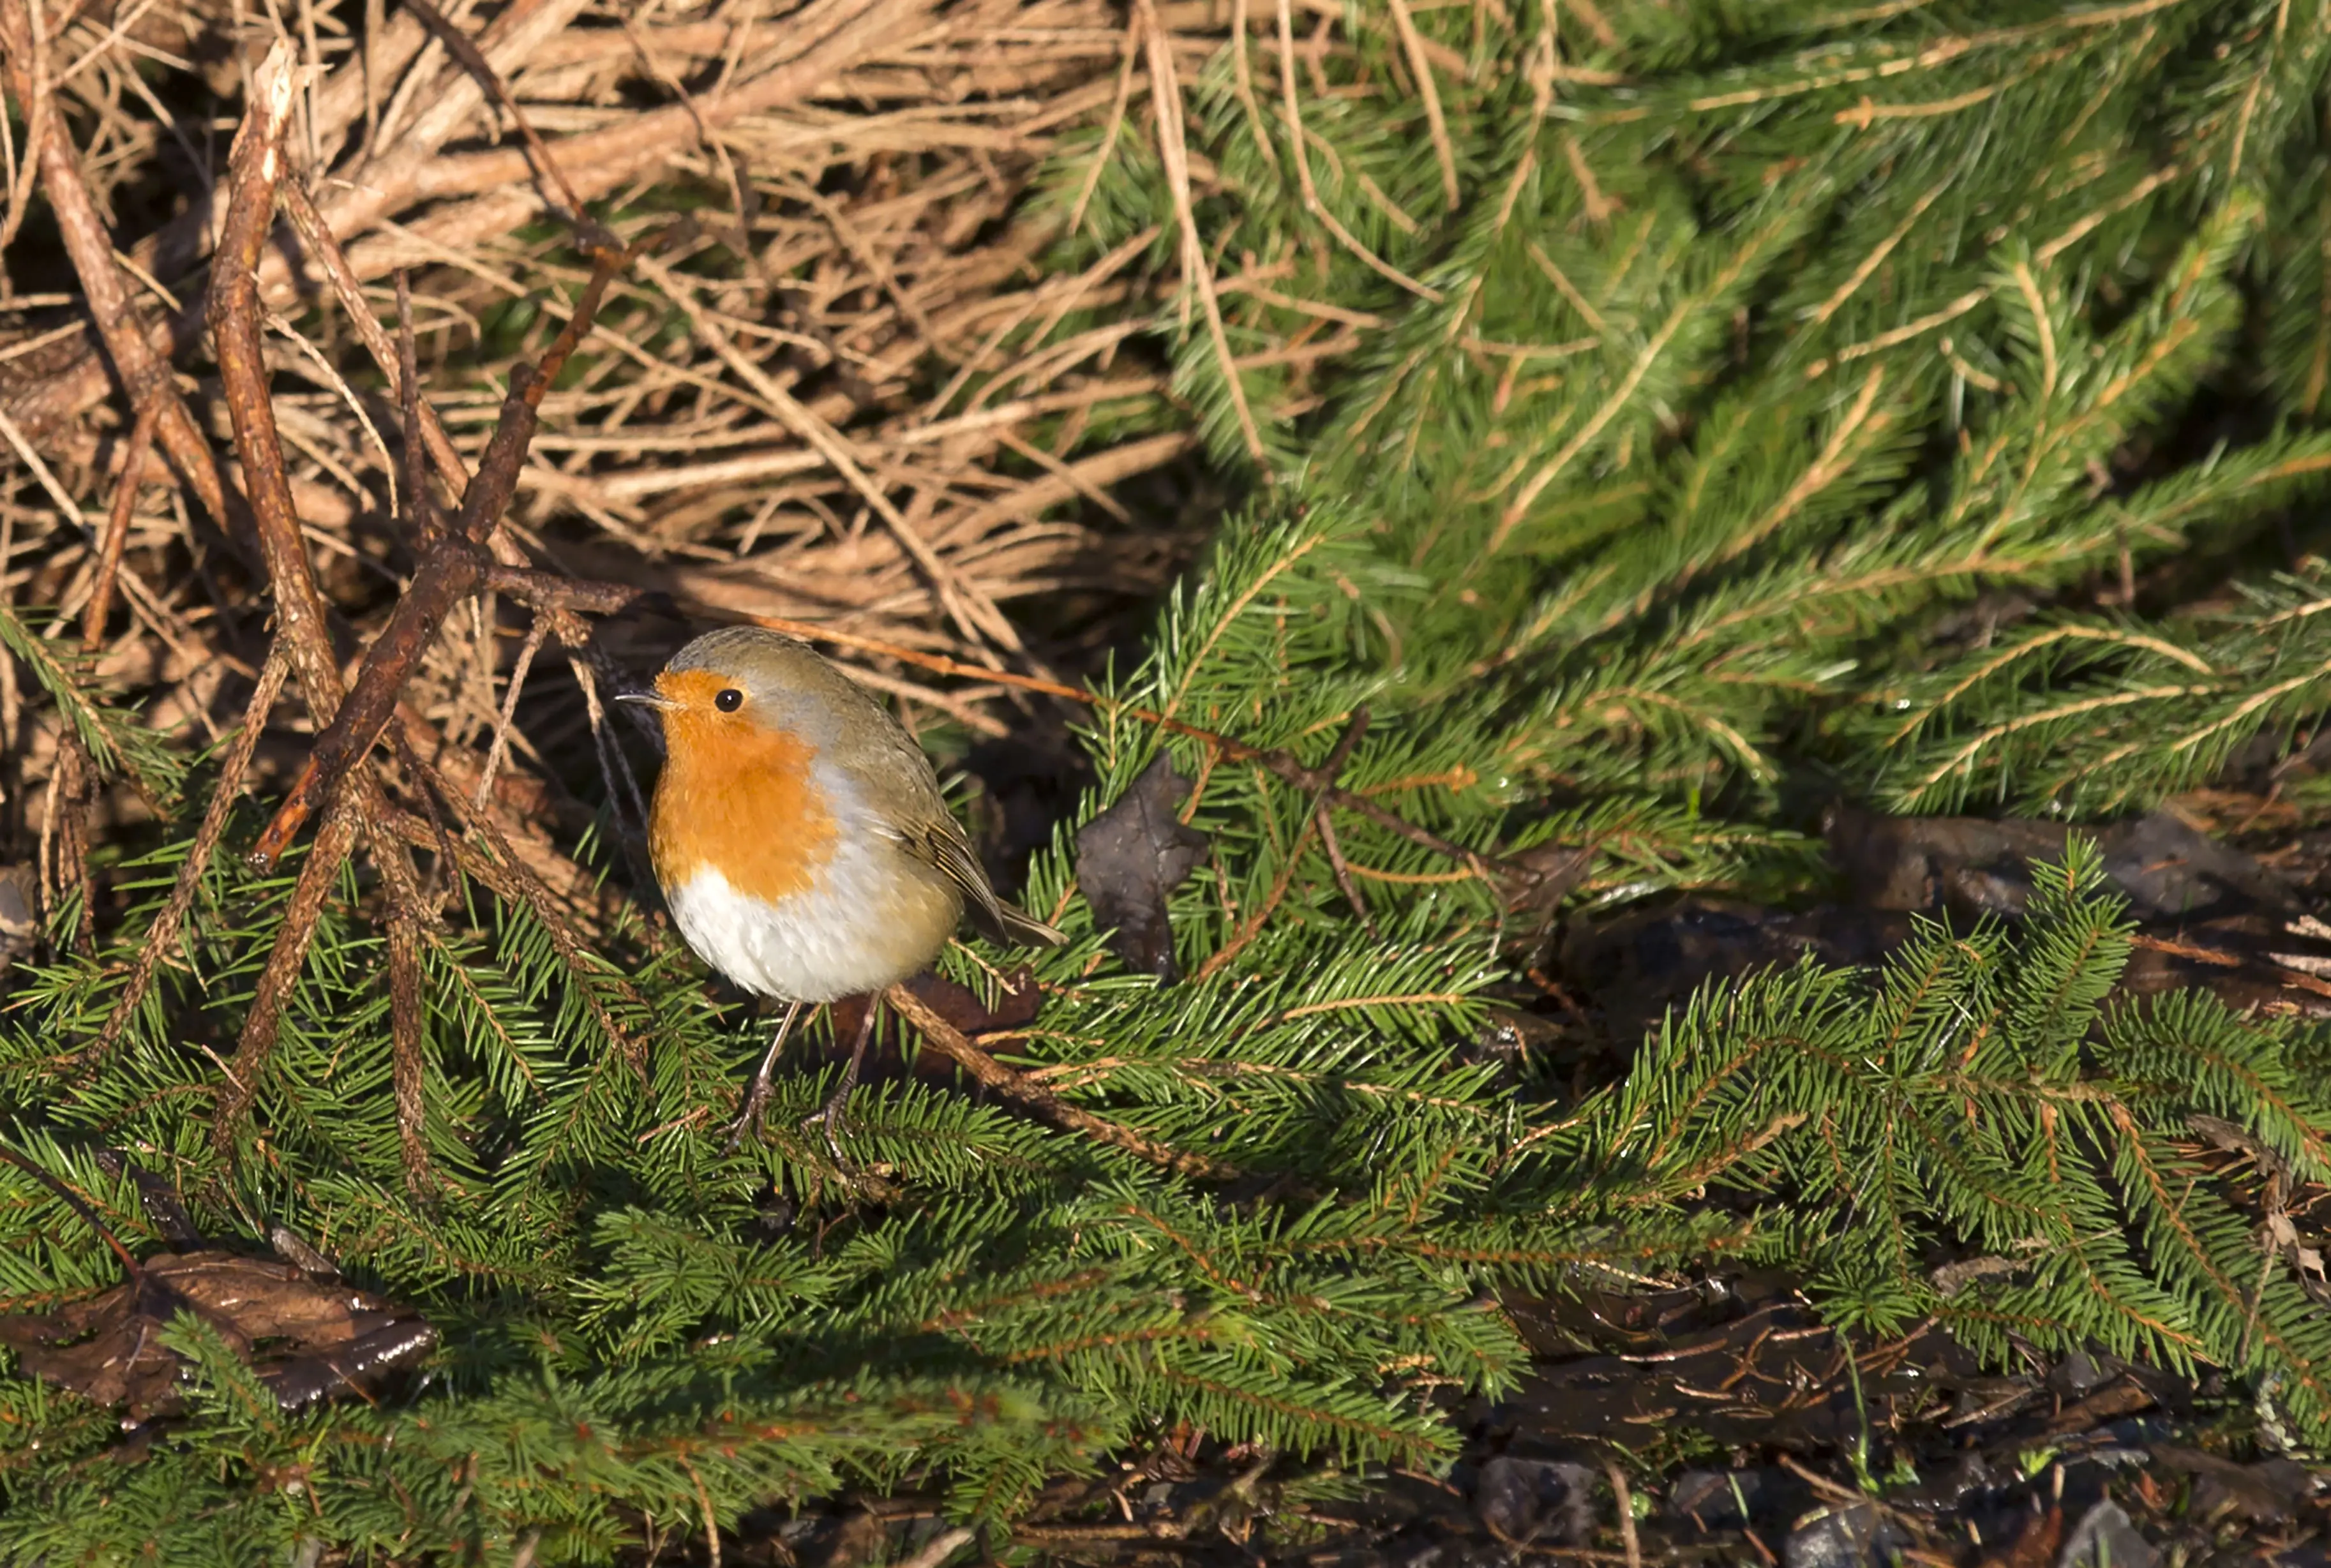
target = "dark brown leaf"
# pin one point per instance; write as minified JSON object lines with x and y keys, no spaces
{"x":1016,"y":1006}
{"x":1970,"y":866}
{"x":1540,"y":878}
{"x":307,"y":1335}
{"x":1131,"y":857}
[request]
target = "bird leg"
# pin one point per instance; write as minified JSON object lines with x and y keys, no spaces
{"x":835,"y":1103}
{"x":748,"y":1114}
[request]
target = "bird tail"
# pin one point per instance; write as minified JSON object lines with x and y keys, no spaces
{"x":1020,"y":929}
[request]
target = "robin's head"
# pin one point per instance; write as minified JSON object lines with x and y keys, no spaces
{"x":742,"y":681}
{"x":745,"y":715}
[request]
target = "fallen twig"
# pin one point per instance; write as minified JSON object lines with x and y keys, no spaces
{"x":1324,"y":819}
{"x":122,"y":327}
{"x":325,"y":248}
{"x":457,"y":43}
{"x":454,"y":567}
{"x":408,"y":1045}
{"x":510,"y":878}
{"x":334,"y":838}
{"x":76,"y":1203}
{"x":256,"y":160}
{"x":952,"y":1043}
{"x":116,"y":529}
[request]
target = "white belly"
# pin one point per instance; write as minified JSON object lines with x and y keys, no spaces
{"x":868,"y":924}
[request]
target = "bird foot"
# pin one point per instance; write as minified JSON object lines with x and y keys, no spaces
{"x":833,"y":1116}
{"x":748,"y":1115}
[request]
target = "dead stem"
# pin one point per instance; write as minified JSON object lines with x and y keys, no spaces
{"x":257,"y":163}
{"x":952,"y":1043}
{"x":408,"y":1068}
{"x":453,"y":568}
{"x":116,"y":529}
{"x":349,"y":291}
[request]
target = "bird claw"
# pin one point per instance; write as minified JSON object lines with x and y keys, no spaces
{"x":833,"y":1116}
{"x":749,"y":1116}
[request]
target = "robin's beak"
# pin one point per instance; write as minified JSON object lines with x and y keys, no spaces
{"x":647,"y":700}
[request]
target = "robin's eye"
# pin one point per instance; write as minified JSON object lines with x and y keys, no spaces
{"x":728,"y":699}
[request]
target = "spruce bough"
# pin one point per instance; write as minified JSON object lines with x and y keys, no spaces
{"x":1707,"y":371}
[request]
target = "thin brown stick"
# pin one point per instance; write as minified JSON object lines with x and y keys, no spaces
{"x":162,"y":937}
{"x":457,"y":43}
{"x":1626,"y":1511}
{"x":614,"y":768}
{"x":64,"y":819}
{"x":422,"y":503}
{"x":447,"y":575}
{"x":90,"y":243}
{"x":325,"y":248}
{"x":36,"y":101}
{"x":333,"y":839}
{"x":408,"y":1063}
{"x":508,"y":877}
{"x":1342,"y":867}
{"x":76,"y":1203}
{"x":116,"y":529}
{"x":1243,"y":78}
{"x":500,"y":748}
{"x":951,"y":1044}
{"x":256,"y":164}
{"x":1222,"y":957}
{"x":1110,"y":130}
{"x":1317,"y":208}
{"x":1315,"y":819}
{"x":454,"y":567}
{"x":1166,"y":105}
{"x":1323,"y":820}
{"x":1428,"y":92}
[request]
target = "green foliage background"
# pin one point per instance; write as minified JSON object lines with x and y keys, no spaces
{"x":1745,"y":404}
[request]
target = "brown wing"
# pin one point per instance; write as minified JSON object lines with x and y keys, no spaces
{"x":927,"y":830}
{"x":942,"y":844}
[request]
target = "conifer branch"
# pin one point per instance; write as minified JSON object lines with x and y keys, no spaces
{"x":161,"y":938}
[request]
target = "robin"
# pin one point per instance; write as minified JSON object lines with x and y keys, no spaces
{"x":801,"y":839}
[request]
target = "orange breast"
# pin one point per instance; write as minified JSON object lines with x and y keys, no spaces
{"x":735,"y":796}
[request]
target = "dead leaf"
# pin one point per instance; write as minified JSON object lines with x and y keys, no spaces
{"x":2035,"y":1548}
{"x":1543,"y":877}
{"x":2284,"y":1237}
{"x":1016,"y":1005}
{"x":1131,"y":857}
{"x":1971,"y":866}
{"x":307,"y":1335}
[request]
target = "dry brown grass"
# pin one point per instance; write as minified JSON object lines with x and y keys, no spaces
{"x":852,"y":397}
